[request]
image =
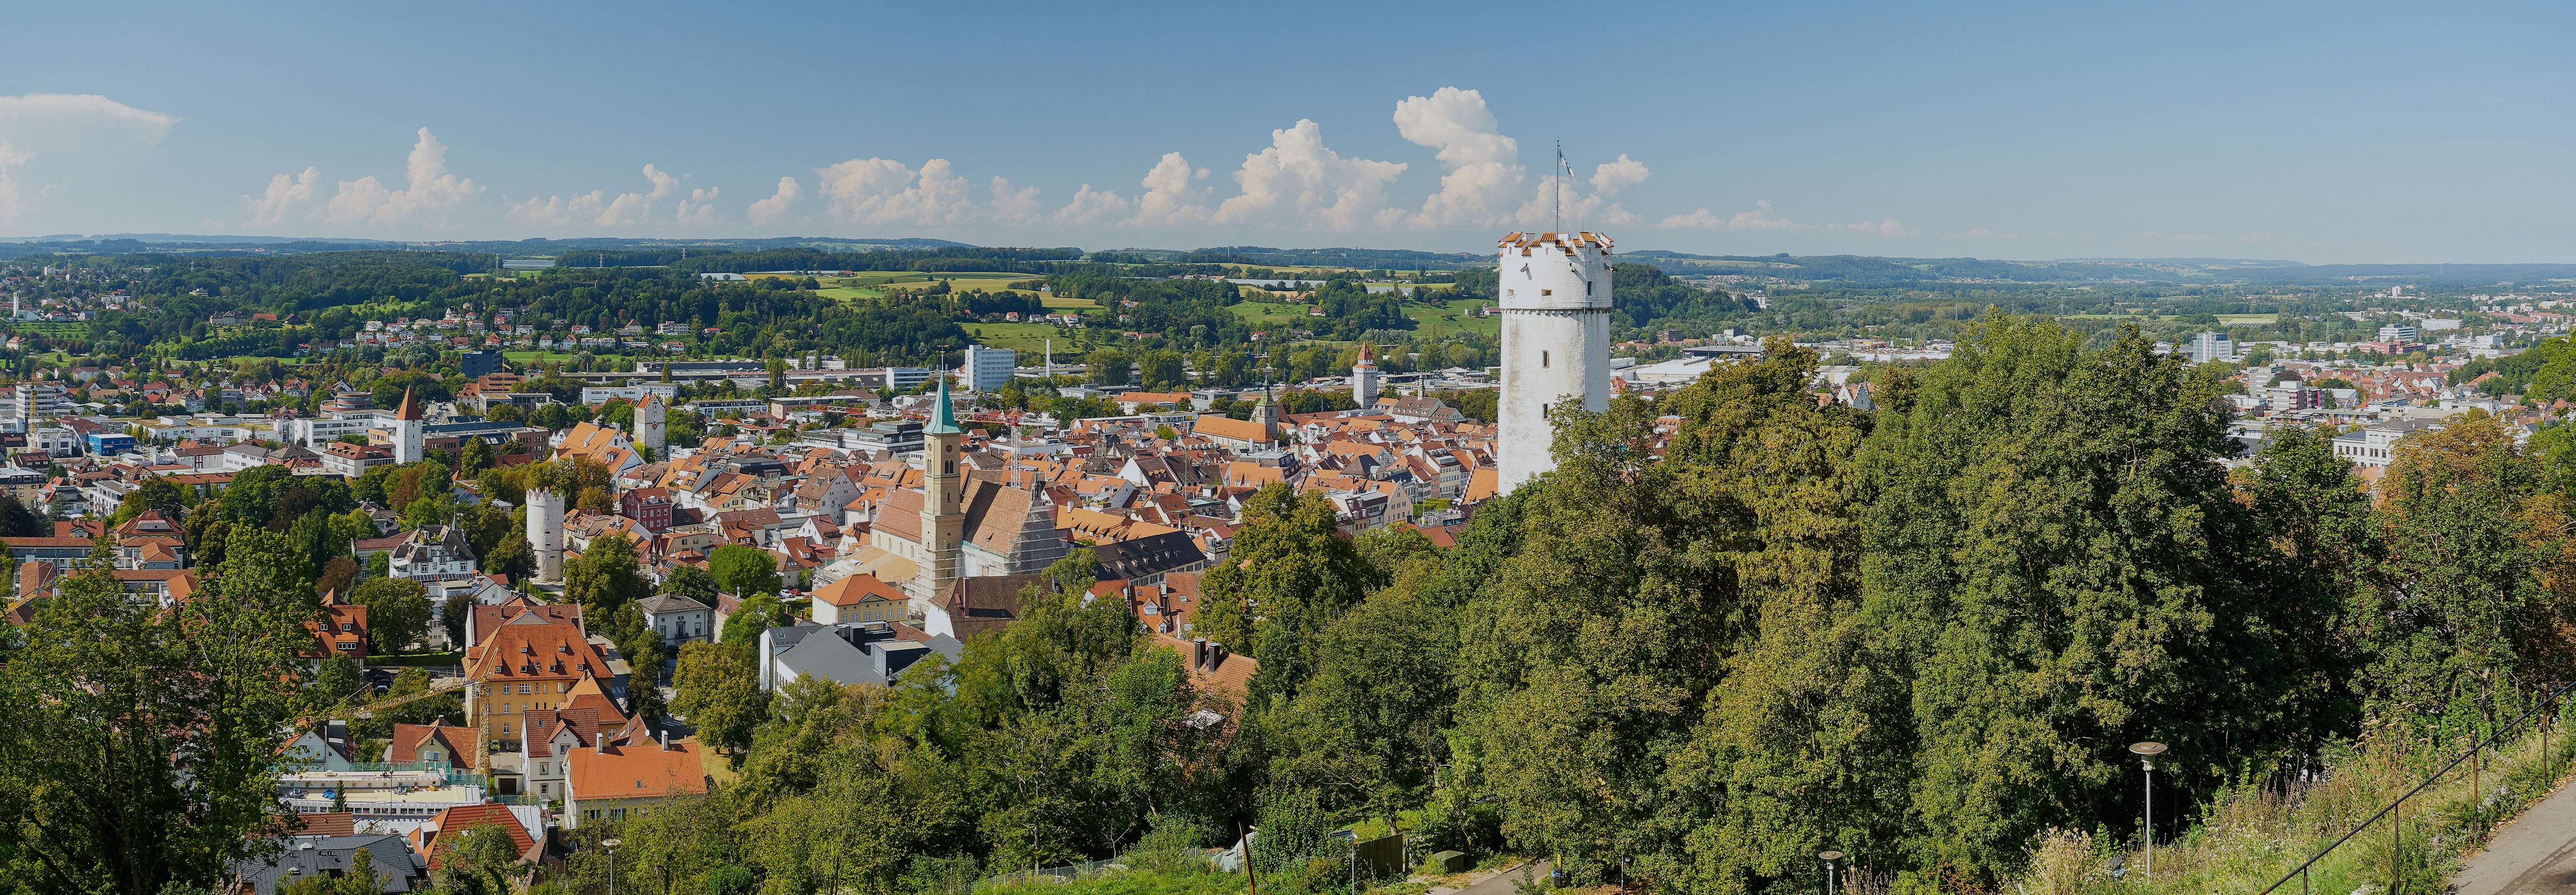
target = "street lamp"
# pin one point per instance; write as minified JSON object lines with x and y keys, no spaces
{"x":611,"y":846}
{"x":1830,"y":858}
{"x":2146,"y":753}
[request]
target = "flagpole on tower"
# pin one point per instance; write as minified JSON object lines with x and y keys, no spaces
{"x":1558,"y":177}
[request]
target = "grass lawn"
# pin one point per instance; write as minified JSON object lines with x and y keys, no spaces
{"x":1458,"y":317}
{"x":2249,"y":319}
{"x":1055,"y":302}
{"x":1029,"y":339}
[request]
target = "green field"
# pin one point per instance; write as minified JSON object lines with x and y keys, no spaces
{"x":1029,"y":339}
{"x":1429,"y":322}
{"x":2249,"y":319}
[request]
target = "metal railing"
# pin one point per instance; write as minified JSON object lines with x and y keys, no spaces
{"x":2387,"y":810}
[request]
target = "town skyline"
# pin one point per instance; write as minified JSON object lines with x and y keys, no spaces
{"x":2377,"y":136}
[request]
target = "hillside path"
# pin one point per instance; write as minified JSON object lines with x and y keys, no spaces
{"x":2533,"y":855}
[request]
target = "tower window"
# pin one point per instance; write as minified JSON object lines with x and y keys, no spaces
{"x":1542,"y":358}
{"x":1587,"y":287}
{"x":1547,"y":292}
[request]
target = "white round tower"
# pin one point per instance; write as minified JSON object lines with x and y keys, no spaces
{"x":649,"y":431}
{"x":1556,"y":341}
{"x":1364,"y":381}
{"x":545,"y":533}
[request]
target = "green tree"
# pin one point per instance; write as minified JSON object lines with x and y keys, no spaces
{"x":1109,"y":366}
{"x":692,"y":582}
{"x":398,"y":611}
{"x":138,"y":745}
{"x":605,"y":578}
{"x":1290,"y":569}
{"x":743,"y":570}
{"x":1164,"y":370}
{"x":719,"y":694}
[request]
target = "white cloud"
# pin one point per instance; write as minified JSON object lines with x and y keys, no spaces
{"x":1626,"y":172}
{"x":885,"y":191}
{"x":698,"y":209}
{"x":1887,"y":227}
{"x":559,"y":211}
{"x":1169,"y":198}
{"x":596,"y":208}
{"x":1572,"y":210}
{"x":1482,"y":165}
{"x":49,"y":141}
{"x":1760,"y":220}
{"x":774,"y":209}
{"x":1015,"y":205}
{"x":1090,"y":206}
{"x":1321,"y":189}
{"x":1983,"y":233}
{"x":284,"y":194}
{"x":428,"y":192}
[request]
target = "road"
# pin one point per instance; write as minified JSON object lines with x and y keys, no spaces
{"x":1505,"y":883}
{"x":2533,"y":855}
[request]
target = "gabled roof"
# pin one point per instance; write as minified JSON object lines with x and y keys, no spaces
{"x":636,"y":770}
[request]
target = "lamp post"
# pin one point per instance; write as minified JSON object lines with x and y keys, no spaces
{"x":1830,"y":858}
{"x":611,"y":846}
{"x":1623,"y":876}
{"x":2146,"y":753}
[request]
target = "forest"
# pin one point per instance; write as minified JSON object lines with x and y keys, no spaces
{"x":1920,"y":635}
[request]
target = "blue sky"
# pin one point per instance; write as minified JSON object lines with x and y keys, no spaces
{"x":2317,"y":132}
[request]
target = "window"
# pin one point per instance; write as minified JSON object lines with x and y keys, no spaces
{"x":1547,"y":292}
{"x":1587,"y":287}
{"x":1542,"y":358}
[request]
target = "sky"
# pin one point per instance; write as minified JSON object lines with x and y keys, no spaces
{"x":2323,"y":133}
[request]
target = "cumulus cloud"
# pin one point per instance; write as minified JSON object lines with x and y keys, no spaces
{"x":885,"y":191}
{"x":1760,"y":220}
{"x":429,"y":191}
{"x":1169,"y":198}
{"x":698,"y":209}
{"x":50,"y":141}
{"x":598,"y":209}
{"x":1573,"y":208}
{"x":559,"y":211}
{"x":285,"y":194}
{"x":1014,"y":205}
{"x":1626,"y":172}
{"x":1090,"y":206}
{"x":774,"y":209}
{"x":1482,"y":166}
{"x":1299,"y":181}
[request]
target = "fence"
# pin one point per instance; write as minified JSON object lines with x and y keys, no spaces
{"x":2389,"y":811}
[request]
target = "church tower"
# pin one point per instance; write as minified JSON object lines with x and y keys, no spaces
{"x":1556,"y":341}
{"x":1364,"y":383}
{"x":407,"y":430}
{"x":943,"y":499}
{"x":1266,"y":415}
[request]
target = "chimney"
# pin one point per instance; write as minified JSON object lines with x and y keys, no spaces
{"x":1216,"y":655}
{"x":1198,"y":653}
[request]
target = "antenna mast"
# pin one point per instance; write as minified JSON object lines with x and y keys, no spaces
{"x":1558,"y":177}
